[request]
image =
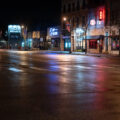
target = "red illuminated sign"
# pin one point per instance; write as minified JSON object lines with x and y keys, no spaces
{"x":101,"y":15}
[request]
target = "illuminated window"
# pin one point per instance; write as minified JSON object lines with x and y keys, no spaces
{"x":66,"y":45}
{"x":115,"y":43}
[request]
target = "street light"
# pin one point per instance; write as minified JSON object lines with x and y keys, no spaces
{"x":22,"y":26}
{"x":64,"y":19}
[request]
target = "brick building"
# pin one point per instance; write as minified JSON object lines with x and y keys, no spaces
{"x":73,"y":20}
{"x":113,"y":28}
{"x":91,"y":25}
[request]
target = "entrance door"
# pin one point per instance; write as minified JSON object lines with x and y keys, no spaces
{"x":100,"y":46}
{"x":106,"y":42}
{"x":67,"y":45}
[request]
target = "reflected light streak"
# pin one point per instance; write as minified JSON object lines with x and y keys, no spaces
{"x":15,"y":69}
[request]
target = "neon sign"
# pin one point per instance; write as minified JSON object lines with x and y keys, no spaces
{"x":92,"y":22}
{"x":54,"y":32}
{"x":101,"y":15}
{"x":14,"y":28}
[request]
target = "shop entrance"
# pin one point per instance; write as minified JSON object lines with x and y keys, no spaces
{"x":106,"y":42}
{"x":67,"y":45}
{"x":96,"y":44}
{"x":93,"y":44}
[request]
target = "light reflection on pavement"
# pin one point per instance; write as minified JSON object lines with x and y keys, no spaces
{"x":37,"y":86}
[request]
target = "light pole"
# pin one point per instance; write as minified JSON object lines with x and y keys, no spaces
{"x":65,"y":20}
{"x":119,"y":38}
{"x":24,"y":34}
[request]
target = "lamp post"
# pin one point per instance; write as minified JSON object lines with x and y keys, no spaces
{"x":65,"y":20}
{"x":24,"y":34}
{"x":119,"y":38}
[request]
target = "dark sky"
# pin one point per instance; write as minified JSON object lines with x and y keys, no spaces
{"x":34,"y":14}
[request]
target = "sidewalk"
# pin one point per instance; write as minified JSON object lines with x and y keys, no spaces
{"x":37,"y":51}
{"x":92,"y":54}
{"x":58,"y":52}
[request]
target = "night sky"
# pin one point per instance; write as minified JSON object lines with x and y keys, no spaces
{"x":35,"y":14}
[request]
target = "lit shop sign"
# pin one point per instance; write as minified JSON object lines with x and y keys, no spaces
{"x":14,"y":28}
{"x":79,"y":31}
{"x":101,"y":15}
{"x":54,"y":32}
{"x":92,"y":22}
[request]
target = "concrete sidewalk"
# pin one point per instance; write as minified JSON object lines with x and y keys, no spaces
{"x":92,"y":54}
{"x":58,"y":52}
{"x":37,"y":51}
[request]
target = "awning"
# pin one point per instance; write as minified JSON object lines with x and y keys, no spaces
{"x":66,"y":37}
{"x":94,"y":37}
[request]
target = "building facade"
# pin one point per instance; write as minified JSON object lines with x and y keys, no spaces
{"x":36,"y":39}
{"x":3,"y":42}
{"x":53,"y":37}
{"x":43,"y":43}
{"x":113,"y":28}
{"x":15,"y":36}
{"x":96,"y":29}
{"x":73,"y":24}
{"x":90,"y":25}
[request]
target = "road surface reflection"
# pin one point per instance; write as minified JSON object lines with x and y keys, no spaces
{"x":55,"y":86}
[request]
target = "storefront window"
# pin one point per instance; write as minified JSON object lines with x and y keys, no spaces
{"x":93,"y":44}
{"x":80,"y":43}
{"x":115,"y":43}
{"x":67,"y":44}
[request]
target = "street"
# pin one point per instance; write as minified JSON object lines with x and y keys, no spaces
{"x":37,"y":86}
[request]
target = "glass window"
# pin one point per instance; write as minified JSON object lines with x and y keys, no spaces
{"x":69,"y":7}
{"x":73,"y":7}
{"x":78,"y":5}
{"x":83,"y":4}
{"x":115,"y":43}
{"x":64,"y":9}
{"x":93,"y":44}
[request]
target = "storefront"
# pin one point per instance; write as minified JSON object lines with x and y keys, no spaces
{"x":96,"y":30}
{"x":79,"y":39}
{"x":14,"y":37}
{"x":3,"y":44}
{"x":95,"y":44}
{"x":115,"y":45}
{"x":67,"y":43}
{"x":53,"y":37}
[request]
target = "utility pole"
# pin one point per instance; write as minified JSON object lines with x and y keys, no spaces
{"x":86,"y":28}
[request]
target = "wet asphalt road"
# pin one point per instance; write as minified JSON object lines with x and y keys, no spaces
{"x":36,"y":86}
